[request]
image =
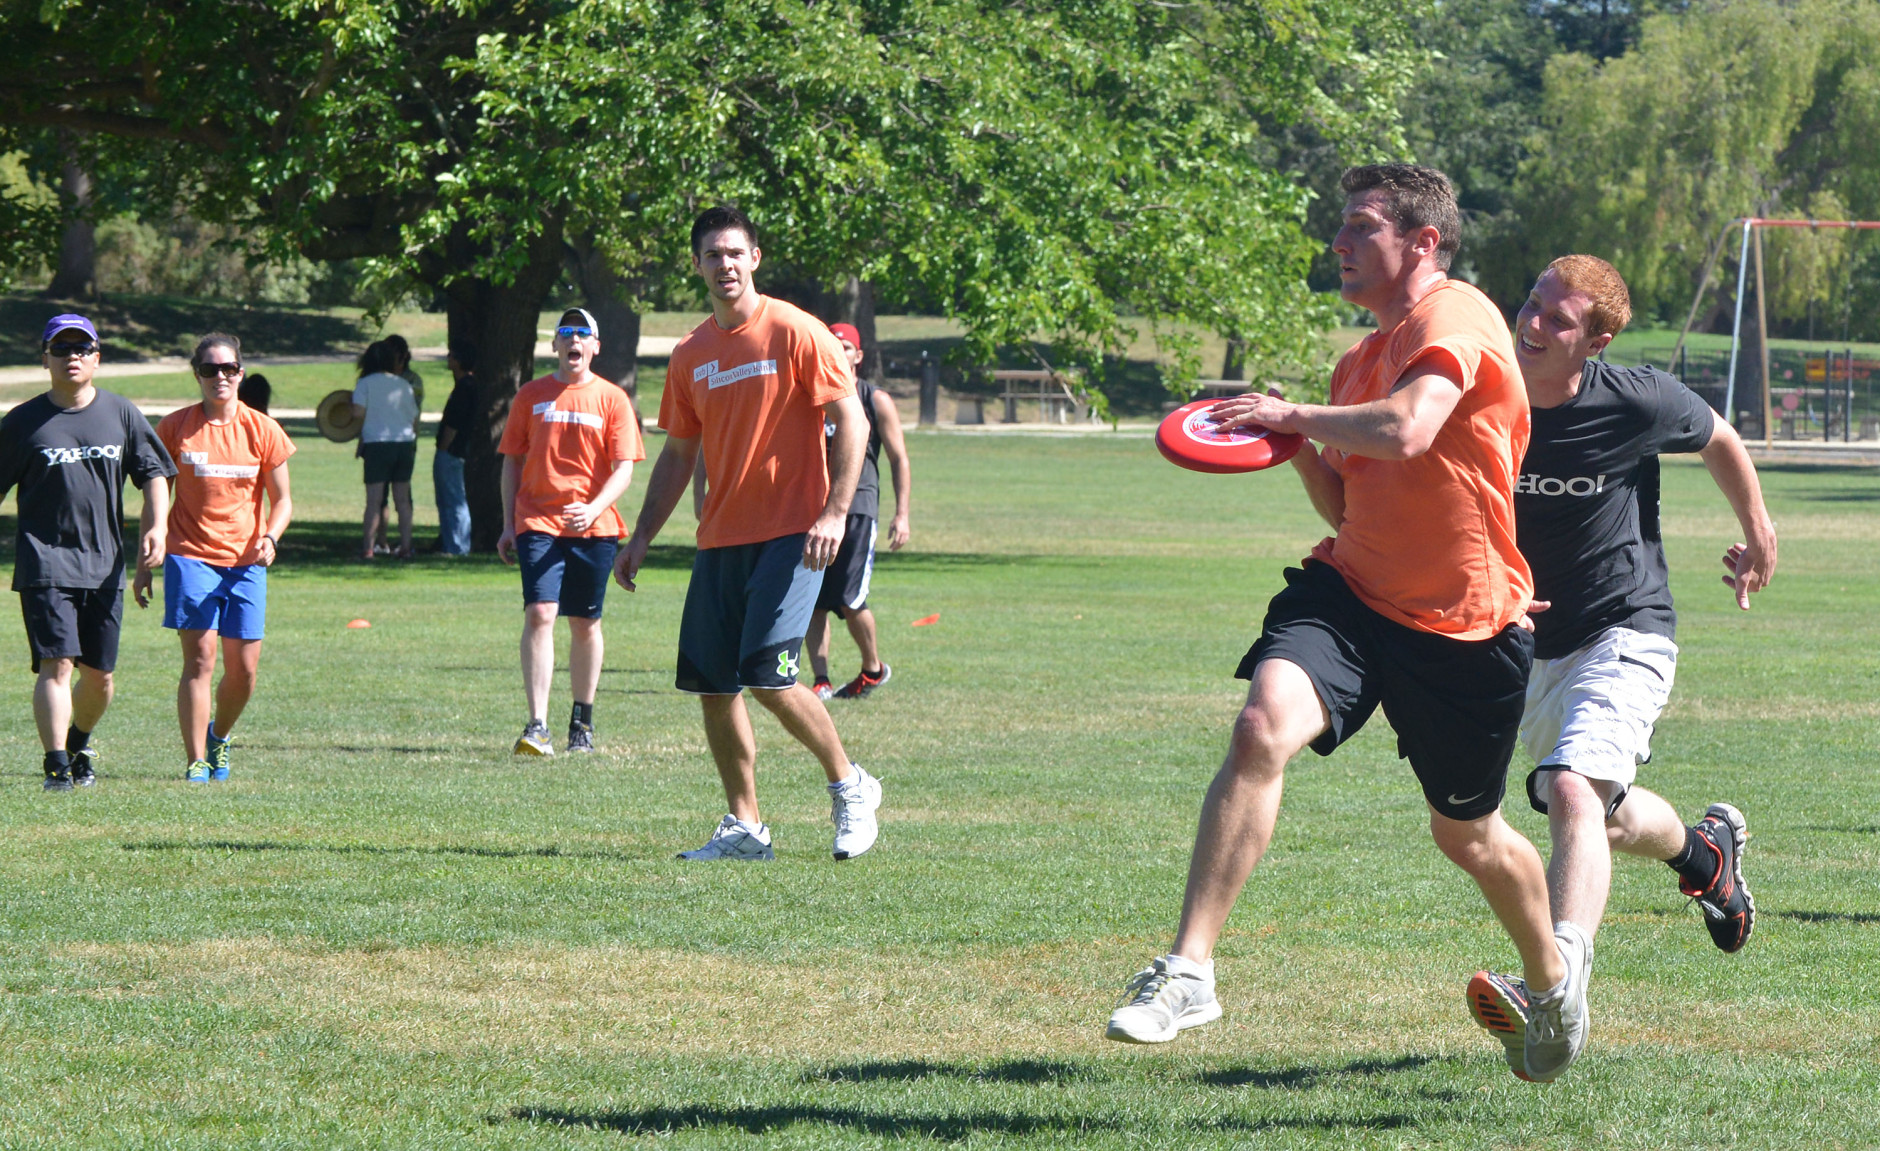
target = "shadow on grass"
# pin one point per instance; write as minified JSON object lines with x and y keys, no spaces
{"x":1830,"y":916}
{"x":233,"y":845}
{"x":1297,"y":1078}
{"x":765,"y":1120}
{"x":141,"y":327}
{"x":329,"y":546}
{"x":909,"y":1070}
{"x":951,"y":1128}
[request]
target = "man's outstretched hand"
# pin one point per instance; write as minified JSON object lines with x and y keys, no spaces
{"x":1750,"y":570}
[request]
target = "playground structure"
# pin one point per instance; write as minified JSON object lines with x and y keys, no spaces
{"x":1837,"y":374}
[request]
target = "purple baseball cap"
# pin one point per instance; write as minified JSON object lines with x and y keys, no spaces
{"x":59,"y":324}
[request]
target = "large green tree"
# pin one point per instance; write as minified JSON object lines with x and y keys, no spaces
{"x":1040,"y":168}
{"x":1749,"y":108}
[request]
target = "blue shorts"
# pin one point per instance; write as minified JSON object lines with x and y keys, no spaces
{"x":746,"y":610}
{"x":202,"y":597}
{"x":570,"y":571}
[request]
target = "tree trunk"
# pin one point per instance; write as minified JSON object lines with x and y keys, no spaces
{"x":77,"y":276}
{"x":500,"y":320}
{"x":604,"y":292}
{"x":849,"y":301}
{"x":1234,"y":362}
{"x":873,"y":369}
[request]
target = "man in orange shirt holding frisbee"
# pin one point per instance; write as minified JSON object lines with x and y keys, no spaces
{"x":215,"y":578}
{"x":1417,"y":604}
{"x":749,"y":388}
{"x":568,"y":453}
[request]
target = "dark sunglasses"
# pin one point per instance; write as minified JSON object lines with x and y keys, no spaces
{"x":576,"y":333}
{"x":71,"y":349}
{"x":208,"y":371}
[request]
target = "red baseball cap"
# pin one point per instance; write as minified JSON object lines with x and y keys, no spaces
{"x":847,"y":332}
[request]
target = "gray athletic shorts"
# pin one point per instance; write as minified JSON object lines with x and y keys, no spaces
{"x":746,"y":611}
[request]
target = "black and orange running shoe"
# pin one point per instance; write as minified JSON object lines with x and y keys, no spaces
{"x":863,"y":683}
{"x":1729,"y":910}
{"x":824,"y":689}
{"x":1500,"y":1004}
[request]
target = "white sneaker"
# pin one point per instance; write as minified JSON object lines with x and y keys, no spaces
{"x":1157,"y":1004}
{"x":852,"y":805}
{"x":1557,"y":1022}
{"x":734,"y":839}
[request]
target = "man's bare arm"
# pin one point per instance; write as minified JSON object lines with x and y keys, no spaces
{"x":1324,"y":486}
{"x":1752,"y":563}
{"x":888,"y":419}
{"x":1401,"y":426}
{"x":671,"y":473}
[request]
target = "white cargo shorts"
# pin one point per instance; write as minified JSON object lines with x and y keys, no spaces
{"x":1592,"y":712}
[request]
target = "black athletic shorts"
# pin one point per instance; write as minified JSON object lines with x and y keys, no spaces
{"x":1455,"y":704}
{"x":73,"y":623}
{"x":845,"y":582}
{"x":389,"y":463}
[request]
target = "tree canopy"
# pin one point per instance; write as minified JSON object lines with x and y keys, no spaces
{"x":1040,"y":169}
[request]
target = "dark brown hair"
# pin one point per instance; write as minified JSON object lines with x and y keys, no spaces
{"x":215,"y":340}
{"x":1418,"y":198}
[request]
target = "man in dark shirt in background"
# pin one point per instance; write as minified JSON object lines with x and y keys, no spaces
{"x":845,"y":582}
{"x":453,"y":505}
{"x":1586,"y":516}
{"x":68,"y":451}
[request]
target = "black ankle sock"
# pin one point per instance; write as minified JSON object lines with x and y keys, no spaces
{"x":58,"y":763}
{"x":876,"y":674}
{"x":583,"y":713}
{"x":75,"y":740}
{"x":1696,"y":863}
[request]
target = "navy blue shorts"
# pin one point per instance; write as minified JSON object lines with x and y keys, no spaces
{"x":746,"y":610}
{"x":1455,"y":704}
{"x":571,"y":571}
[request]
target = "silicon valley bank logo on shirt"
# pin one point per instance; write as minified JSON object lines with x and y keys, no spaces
{"x":553,"y":415}
{"x":58,"y":457}
{"x":208,"y":471}
{"x":714,"y":378}
{"x":1533,"y":485}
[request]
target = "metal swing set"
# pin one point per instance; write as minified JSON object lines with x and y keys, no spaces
{"x":1750,"y":250}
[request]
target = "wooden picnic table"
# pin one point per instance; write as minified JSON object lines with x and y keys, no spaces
{"x":1054,"y":392}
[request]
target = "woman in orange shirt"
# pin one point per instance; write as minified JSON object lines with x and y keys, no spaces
{"x":215,"y":578}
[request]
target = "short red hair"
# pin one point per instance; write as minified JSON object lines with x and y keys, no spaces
{"x":1601,"y":283}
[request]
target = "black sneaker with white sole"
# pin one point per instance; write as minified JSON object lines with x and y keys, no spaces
{"x":1729,"y":909}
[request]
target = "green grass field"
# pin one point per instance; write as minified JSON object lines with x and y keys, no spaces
{"x":386,"y":932}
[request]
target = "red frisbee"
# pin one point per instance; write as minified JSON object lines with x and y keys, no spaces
{"x":1189,"y":439}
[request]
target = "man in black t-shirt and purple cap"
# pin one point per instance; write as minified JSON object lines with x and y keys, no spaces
{"x":68,"y":451}
{"x":1586,"y":517}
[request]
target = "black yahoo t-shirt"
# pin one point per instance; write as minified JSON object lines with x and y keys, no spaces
{"x":1586,"y":504}
{"x":70,"y":466}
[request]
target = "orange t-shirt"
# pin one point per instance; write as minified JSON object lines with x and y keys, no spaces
{"x":1429,"y":542}
{"x":566,"y":434}
{"x":755,"y":395}
{"x":221,"y":475}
